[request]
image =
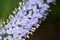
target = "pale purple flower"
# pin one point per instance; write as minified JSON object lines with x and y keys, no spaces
{"x":20,"y":25}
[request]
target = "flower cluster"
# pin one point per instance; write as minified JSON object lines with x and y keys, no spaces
{"x":19,"y":26}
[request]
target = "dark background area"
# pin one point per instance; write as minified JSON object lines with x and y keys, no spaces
{"x":49,"y":29}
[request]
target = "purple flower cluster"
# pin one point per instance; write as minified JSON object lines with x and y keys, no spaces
{"x":20,"y":25}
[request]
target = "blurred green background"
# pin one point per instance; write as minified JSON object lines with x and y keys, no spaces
{"x":49,"y":29}
{"x":6,"y":8}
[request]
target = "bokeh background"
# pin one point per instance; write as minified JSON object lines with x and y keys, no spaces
{"x":49,"y":29}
